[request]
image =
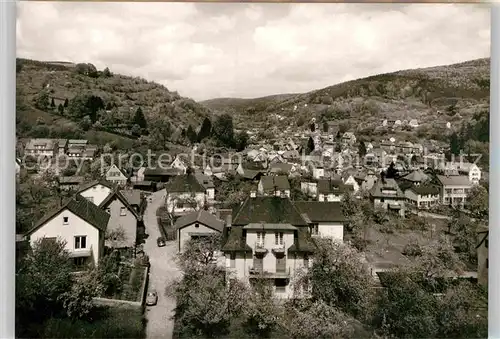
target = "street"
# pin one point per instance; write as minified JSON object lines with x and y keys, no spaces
{"x":163,"y":270}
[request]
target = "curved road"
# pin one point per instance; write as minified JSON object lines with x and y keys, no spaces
{"x":163,"y":270}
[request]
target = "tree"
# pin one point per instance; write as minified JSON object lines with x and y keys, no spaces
{"x":78,"y":301}
{"x":85,"y":123}
{"x":85,"y":104}
{"x":310,"y":145}
{"x":339,"y":278}
{"x":139,"y":118}
{"x":454,"y":144}
{"x":318,"y":321}
{"x":199,"y":252}
{"x":191,"y":135}
{"x":223,"y":130}
{"x":391,"y":172}
{"x":361,"y":149}
{"x":42,"y":100}
{"x":52,"y":103}
{"x":66,"y":102}
{"x":312,"y":127}
{"x":135,"y":130}
{"x":241,"y":141}
{"x":478,"y":202}
{"x":205,"y":130}
{"x":43,"y":275}
{"x":60,"y":109}
{"x":116,"y":236}
{"x":107,"y":73}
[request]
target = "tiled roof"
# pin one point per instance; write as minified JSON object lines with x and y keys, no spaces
{"x":326,"y":186}
{"x":272,"y":210}
{"x":133,"y":196}
{"x":184,"y":183}
{"x":386,"y":184}
{"x":284,"y":167}
{"x":269,"y":182}
{"x":201,"y":216}
{"x":117,"y":195}
{"x":416,"y":176}
{"x":47,"y":143}
{"x":162,"y":171}
{"x":318,"y":211}
{"x":425,"y":190}
{"x":454,"y":180}
{"x":81,"y":207}
{"x":205,"y":180}
{"x":303,"y":242}
{"x":236,"y":241}
{"x":94,"y":183}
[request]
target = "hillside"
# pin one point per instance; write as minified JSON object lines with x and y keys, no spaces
{"x":435,"y":95}
{"x":110,"y":100}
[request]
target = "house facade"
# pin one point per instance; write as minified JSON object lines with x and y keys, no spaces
{"x":268,"y":239}
{"x":96,"y":191}
{"x":41,"y":147}
{"x":185,"y":195}
{"x":325,"y":219}
{"x":331,"y":190}
{"x":116,"y":176}
{"x":81,"y":224}
{"x":386,"y":194}
{"x":277,"y":185}
{"x":422,"y":196}
{"x":454,"y":189}
{"x":195,"y":225}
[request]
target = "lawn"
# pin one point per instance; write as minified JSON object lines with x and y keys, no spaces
{"x":132,"y":279}
{"x":109,"y":322}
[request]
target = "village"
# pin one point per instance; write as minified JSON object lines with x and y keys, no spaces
{"x":269,"y":205}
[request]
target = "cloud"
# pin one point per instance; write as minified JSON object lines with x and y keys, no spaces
{"x":207,"y":50}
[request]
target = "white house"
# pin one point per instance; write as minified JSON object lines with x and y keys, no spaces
{"x":179,"y":164}
{"x":332,"y":190}
{"x":325,"y":219}
{"x":422,"y":196}
{"x":207,"y":183}
{"x":41,"y":147}
{"x":185,"y":195}
{"x":81,"y":224}
{"x":471,"y":170}
{"x":277,"y":185}
{"x":349,"y":179}
{"x":195,"y":225}
{"x":116,"y":175}
{"x":122,"y":217}
{"x":96,"y":191}
{"x":386,"y":194}
{"x":454,"y":189}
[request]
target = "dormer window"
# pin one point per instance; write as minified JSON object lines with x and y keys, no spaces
{"x":123,"y":211}
{"x":65,"y":220}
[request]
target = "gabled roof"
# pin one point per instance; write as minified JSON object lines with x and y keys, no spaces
{"x":269,"y":182}
{"x":270,"y":210}
{"x":133,"y":196}
{"x":70,"y":180}
{"x":453,"y":180}
{"x":94,"y":183}
{"x":425,"y":189}
{"x":202,"y":217}
{"x":170,"y":171}
{"x":326,"y":186}
{"x":303,"y":243}
{"x":185,"y":183}
{"x":115,"y":194}
{"x":416,"y":176}
{"x":386,"y":184}
{"x":124,"y":173}
{"x":281,"y":167}
{"x":205,"y":180}
{"x":318,"y":211}
{"x":81,"y":207}
{"x":251,"y":174}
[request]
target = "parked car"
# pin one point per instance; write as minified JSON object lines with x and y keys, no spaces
{"x":152,"y":298}
{"x":161,"y":242}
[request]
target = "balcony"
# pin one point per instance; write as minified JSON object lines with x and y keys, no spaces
{"x":259,"y":248}
{"x":280,"y":273}
{"x":279,"y":248}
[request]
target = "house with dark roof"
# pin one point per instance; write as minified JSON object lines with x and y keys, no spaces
{"x":196,"y":224}
{"x":422,"y":196}
{"x":416,"y":177}
{"x":159,"y":174}
{"x":274,"y":185}
{"x":454,"y":189}
{"x":67,"y":183}
{"x":124,"y":221}
{"x":185,"y":195}
{"x":325,"y":219}
{"x":332,"y":189}
{"x":208,"y":184}
{"x":386,"y":194}
{"x":41,"y":147}
{"x":268,"y":238}
{"x":81,"y":224}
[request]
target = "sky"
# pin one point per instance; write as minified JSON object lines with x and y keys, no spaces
{"x":211,"y":50}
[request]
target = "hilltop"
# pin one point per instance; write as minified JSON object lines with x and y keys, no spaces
{"x":451,"y":93}
{"x":109,"y":100}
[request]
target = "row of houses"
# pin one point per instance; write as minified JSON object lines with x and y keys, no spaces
{"x":72,"y":148}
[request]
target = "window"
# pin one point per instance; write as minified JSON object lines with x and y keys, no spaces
{"x":260,"y":238}
{"x":80,"y":242}
{"x":123,"y":211}
{"x":233,"y":260}
{"x":94,"y":188}
{"x":486,"y":262}
{"x":278,"y":238}
{"x":79,"y":262}
{"x":306,"y":261}
{"x":315,"y":229}
{"x":280,"y":285}
{"x":382,"y":200}
{"x":65,"y":220}
{"x":196,"y":225}
{"x":108,"y":210}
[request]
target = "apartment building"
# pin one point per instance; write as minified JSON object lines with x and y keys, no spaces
{"x":454,"y":189}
